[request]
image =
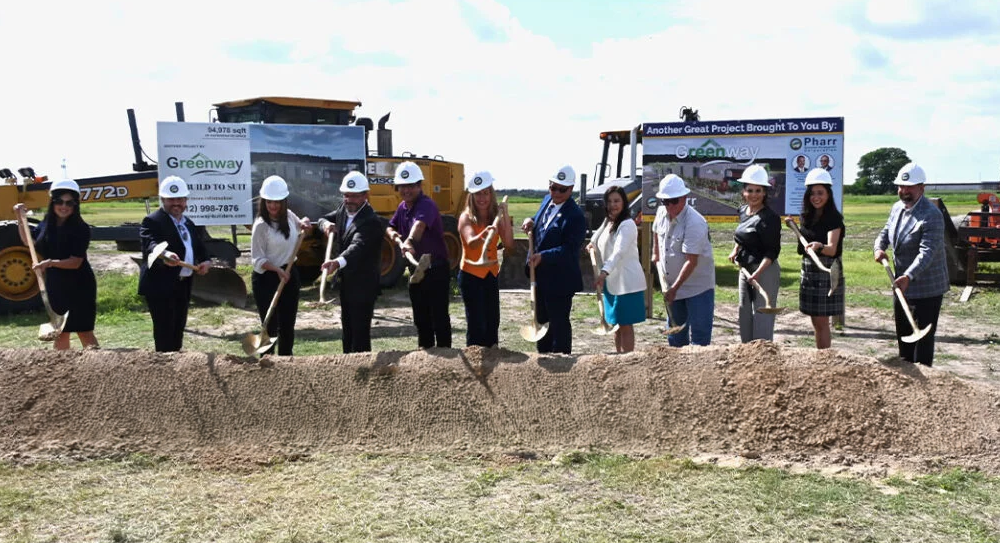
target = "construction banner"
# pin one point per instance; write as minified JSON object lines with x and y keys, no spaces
{"x":224,"y":165}
{"x":710,"y":156}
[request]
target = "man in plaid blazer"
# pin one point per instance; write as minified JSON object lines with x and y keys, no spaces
{"x":915,"y":231}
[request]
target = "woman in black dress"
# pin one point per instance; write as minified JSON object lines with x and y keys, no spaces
{"x":823,"y":229}
{"x":62,"y":239}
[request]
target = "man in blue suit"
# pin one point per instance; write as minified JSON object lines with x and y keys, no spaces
{"x":915,"y":230}
{"x":557,"y":231}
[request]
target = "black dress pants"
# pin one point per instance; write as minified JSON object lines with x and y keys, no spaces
{"x":430,"y":299}
{"x":169,"y":309}
{"x":356,"y":322}
{"x":282,"y":324}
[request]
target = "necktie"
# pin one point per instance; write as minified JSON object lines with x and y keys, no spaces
{"x":546,"y":215}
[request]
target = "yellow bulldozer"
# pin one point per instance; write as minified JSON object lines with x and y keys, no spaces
{"x":444,"y":183}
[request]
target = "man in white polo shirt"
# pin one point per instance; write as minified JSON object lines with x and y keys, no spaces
{"x":682,"y":252}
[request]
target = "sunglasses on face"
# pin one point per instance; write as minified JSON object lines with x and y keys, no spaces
{"x":64,"y":202}
{"x":559,"y":188}
{"x":670,"y":201}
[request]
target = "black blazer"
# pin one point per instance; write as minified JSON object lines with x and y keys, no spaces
{"x":157,"y":227}
{"x":361,"y":247}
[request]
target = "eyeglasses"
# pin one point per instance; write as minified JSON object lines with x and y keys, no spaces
{"x":64,"y":202}
{"x":559,"y":188}
{"x":182,"y":230}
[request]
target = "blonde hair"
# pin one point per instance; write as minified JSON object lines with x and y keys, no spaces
{"x":470,"y":207}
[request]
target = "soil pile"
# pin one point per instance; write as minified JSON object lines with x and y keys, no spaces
{"x":751,"y":400}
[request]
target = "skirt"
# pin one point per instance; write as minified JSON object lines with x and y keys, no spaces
{"x":625,"y":309}
{"x":813,"y":299}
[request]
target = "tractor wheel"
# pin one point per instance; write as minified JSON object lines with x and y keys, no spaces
{"x":392,"y":265}
{"x":18,"y":287}
{"x":452,"y":241}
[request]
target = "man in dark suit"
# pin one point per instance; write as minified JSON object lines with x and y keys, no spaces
{"x":359,"y":233}
{"x":166,"y":285}
{"x":800,"y":164}
{"x":557,"y":231}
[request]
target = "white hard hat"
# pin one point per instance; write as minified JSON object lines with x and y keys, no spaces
{"x":274,"y":188}
{"x":173,"y":187}
{"x":910,"y":175}
{"x":64,"y":184}
{"x":479,"y":181}
{"x":755,"y":175}
{"x":566,"y":176}
{"x":818,"y":176}
{"x":354,"y":182}
{"x":672,"y":186}
{"x":408,"y":173}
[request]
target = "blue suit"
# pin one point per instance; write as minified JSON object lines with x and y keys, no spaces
{"x":558,"y":276}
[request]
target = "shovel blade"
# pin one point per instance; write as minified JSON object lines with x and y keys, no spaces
{"x":256,"y":344}
{"x":604,"y":329}
{"x":50,"y":331}
{"x":835,"y":272}
{"x":534,"y":331}
{"x":772,"y":310}
{"x":916,"y":335}
{"x":421,"y":269}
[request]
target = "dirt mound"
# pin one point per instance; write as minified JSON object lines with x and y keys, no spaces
{"x":750,"y":400}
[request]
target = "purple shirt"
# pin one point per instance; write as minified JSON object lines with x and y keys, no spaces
{"x":426,"y":211}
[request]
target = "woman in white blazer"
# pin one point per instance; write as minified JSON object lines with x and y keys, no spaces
{"x":621,"y":279}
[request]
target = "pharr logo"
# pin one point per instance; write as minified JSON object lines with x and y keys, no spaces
{"x":795,"y":144}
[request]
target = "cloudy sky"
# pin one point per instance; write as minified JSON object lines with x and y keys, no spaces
{"x":518,"y":87}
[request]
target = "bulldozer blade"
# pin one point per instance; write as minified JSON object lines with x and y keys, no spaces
{"x":917,"y":335}
{"x":534,"y":331}
{"x":220,"y":285}
{"x":835,"y":272}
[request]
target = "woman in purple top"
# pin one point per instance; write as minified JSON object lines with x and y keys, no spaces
{"x":417,"y":228}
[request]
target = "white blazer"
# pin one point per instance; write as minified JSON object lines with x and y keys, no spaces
{"x":620,"y":252}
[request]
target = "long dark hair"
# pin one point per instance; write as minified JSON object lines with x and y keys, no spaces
{"x":809,"y":213}
{"x":52,"y":220}
{"x":281,"y":219}
{"x":626,"y":212}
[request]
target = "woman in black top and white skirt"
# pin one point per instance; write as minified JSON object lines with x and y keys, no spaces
{"x":273,"y":238}
{"x":823,"y":228}
{"x":62,"y":238}
{"x":758,"y":243}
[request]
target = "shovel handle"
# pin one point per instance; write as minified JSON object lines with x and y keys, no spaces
{"x":760,"y":289}
{"x":805,"y":244}
{"x":899,"y":294}
{"x":322,"y":280}
{"x":23,"y":222}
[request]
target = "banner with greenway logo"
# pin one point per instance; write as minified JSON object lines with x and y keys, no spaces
{"x":710,"y":156}
{"x":224,"y":165}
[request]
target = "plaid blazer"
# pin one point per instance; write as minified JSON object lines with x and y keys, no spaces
{"x":917,"y":240}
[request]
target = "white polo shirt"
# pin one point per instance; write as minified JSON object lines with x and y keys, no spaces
{"x":685,"y":235}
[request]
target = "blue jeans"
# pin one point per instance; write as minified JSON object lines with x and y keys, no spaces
{"x":697,"y":311}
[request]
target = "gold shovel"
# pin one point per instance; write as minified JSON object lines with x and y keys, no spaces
{"x":419,"y":266}
{"x":917,"y":333}
{"x":50,"y":330}
{"x":834,"y":270}
{"x":767,"y":299}
{"x":260,"y":344}
{"x":605,"y":328}
{"x":676,"y":328}
{"x":483,"y":261}
{"x":534,"y":331}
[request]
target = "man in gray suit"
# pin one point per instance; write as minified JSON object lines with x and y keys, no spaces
{"x":916,"y":232}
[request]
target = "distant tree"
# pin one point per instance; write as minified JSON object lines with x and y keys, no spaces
{"x":877,"y":170}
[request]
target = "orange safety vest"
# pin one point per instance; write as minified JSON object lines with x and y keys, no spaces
{"x":474,"y":253}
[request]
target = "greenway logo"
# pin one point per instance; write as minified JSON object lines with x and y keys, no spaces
{"x":206,"y":165}
{"x":712,"y":149}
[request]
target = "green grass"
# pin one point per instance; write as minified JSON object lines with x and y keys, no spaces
{"x":581,"y":496}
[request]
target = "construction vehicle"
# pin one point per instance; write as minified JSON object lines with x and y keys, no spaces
{"x":593,"y":198}
{"x":444,"y":183}
{"x":973,"y":239}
